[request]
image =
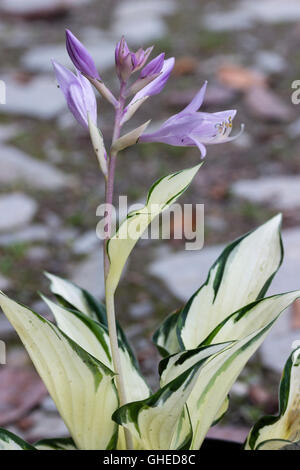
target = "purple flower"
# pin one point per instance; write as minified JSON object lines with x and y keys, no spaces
{"x":190,"y":128}
{"x":128,"y":62}
{"x":78,"y":93}
{"x":154,"y":67}
{"x":80,"y":57}
{"x":156,"y":85}
{"x":149,"y":73}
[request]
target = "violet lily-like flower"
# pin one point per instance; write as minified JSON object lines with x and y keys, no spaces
{"x":80,"y":57}
{"x":191,"y":128}
{"x":149,"y":73}
{"x":154,"y":67}
{"x":79,"y":94}
{"x":156,"y":85}
{"x":128,"y":62}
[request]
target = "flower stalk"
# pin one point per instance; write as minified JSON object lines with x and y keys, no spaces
{"x":109,"y":297}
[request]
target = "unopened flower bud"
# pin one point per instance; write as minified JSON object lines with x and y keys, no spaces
{"x":154,"y":67}
{"x":80,"y":57}
{"x":128,"y":62}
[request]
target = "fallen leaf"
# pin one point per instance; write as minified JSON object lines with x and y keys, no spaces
{"x":240,"y":78}
{"x":266,"y":105}
{"x":219,"y":191}
{"x":185,"y":66}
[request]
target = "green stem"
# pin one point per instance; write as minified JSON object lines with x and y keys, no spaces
{"x":113,"y":337}
{"x":109,"y":298}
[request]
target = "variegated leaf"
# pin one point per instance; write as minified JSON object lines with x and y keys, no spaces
{"x":285,"y":426}
{"x":217,"y":376}
{"x":183,"y":434}
{"x":158,"y":422}
{"x":240,"y":275}
{"x":173,"y":366}
{"x":9,"y":441}
{"x":276,"y":444}
{"x":221,"y":411}
{"x":250,"y":318}
{"x":165,"y":337}
{"x":93,"y":338}
{"x":81,"y":386}
{"x":72,"y":296}
{"x":161,"y":195}
{"x":56,"y":444}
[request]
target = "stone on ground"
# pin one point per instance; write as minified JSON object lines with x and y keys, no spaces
{"x":246,"y":14}
{"x":39,"y":98}
{"x":32,"y":9}
{"x":266,"y":105}
{"x":39,"y":58}
{"x":89,"y":274}
{"x":16,"y":210}
{"x":18,"y":167}
{"x":4,"y":283}
{"x":45,"y":425}
{"x":33,"y":233}
{"x":280,"y":192}
{"x":142,"y":21}
{"x":86,"y":243}
{"x":183,"y":273}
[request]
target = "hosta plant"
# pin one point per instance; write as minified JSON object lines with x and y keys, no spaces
{"x":85,"y":359}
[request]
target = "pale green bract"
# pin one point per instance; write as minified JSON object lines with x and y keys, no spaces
{"x":204,"y":345}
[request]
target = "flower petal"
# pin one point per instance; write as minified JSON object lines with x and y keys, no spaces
{"x":158,"y":84}
{"x":78,"y":92}
{"x":196,"y":101}
{"x":80,"y":57}
{"x":64,"y":77}
{"x":89,"y":97}
{"x":154,"y":66}
{"x":225,"y":115}
{"x":77,"y":105}
{"x":200,"y":146}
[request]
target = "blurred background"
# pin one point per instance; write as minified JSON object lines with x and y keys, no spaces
{"x":50,"y":185}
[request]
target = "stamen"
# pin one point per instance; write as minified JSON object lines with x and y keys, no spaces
{"x":221,"y":126}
